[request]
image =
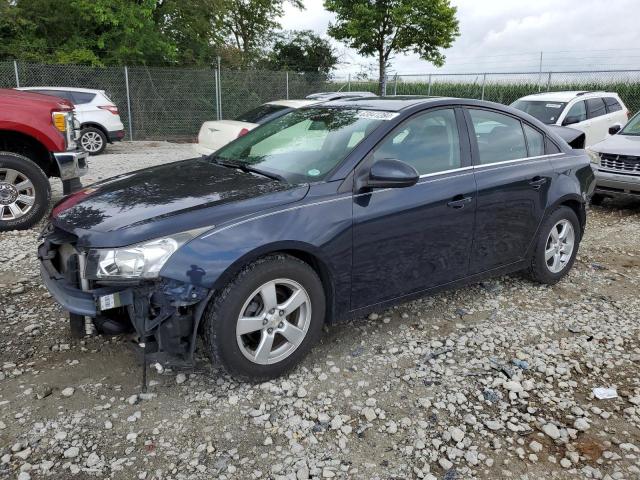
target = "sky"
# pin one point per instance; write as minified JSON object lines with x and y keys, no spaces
{"x":508,"y":35}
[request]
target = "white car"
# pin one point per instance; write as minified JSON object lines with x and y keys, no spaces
{"x":217,"y":133}
{"x":590,"y":112}
{"x":98,"y":116}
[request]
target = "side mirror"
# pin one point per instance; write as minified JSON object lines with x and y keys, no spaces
{"x":389,"y":173}
{"x":613,"y":129}
{"x":570,"y":121}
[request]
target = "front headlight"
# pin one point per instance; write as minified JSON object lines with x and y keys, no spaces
{"x":595,"y":156}
{"x":140,"y":261}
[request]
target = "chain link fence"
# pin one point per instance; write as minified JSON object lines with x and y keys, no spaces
{"x":171,"y":103}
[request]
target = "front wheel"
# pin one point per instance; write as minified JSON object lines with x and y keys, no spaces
{"x":24,"y":192}
{"x":266,"y":319}
{"x":556,"y":246}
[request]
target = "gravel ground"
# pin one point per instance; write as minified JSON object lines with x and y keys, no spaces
{"x":491,"y":381}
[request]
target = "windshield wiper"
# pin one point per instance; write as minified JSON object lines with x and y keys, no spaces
{"x":248,"y":168}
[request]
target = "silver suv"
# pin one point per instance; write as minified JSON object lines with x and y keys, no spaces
{"x":616,"y":162}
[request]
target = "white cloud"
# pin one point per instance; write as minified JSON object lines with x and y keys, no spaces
{"x":508,"y":35}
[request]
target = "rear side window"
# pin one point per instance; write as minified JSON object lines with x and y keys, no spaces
{"x":56,"y":93}
{"x":499,"y":136}
{"x":577,"y":113}
{"x":612,"y":105}
{"x":82,"y":97}
{"x":595,"y":107}
{"x":535,"y":141}
{"x":263,"y":114}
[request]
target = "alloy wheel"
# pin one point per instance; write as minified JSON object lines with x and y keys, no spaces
{"x":91,"y":142}
{"x":559,"y":246}
{"x":273,"y":321}
{"x":17,"y":194}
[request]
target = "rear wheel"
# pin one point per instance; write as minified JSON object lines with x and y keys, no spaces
{"x":267,"y":319}
{"x":24,"y":192}
{"x":556,"y":246}
{"x":93,"y":140}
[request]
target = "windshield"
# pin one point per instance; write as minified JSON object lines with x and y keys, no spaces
{"x":546,"y":112}
{"x":632,"y":127}
{"x":263,"y":113}
{"x":303,"y":145}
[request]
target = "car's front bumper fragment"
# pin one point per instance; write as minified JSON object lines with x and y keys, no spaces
{"x":72,"y":164}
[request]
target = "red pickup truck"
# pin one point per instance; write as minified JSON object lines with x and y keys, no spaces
{"x":38,"y":136}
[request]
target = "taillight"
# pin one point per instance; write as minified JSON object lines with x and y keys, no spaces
{"x":110,"y":108}
{"x":243,"y":132}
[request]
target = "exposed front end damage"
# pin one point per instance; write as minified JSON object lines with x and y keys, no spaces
{"x":161,"y":315}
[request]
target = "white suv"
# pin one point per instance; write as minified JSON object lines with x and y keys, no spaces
{"x":98,"y":116}
{"x":590,"y":112}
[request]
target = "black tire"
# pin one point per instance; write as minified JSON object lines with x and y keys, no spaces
{"x":597,"y":199}
{"x":41,"y":191}
{"x":222,"y":315}
{"x":98,"y":138}
{"x":539,"y":270}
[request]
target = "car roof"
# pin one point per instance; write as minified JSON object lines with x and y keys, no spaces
{"x":567,"y":96}
{"x":293,"y":103}
{"x":63,"y":89}
{"x":388,"y":104}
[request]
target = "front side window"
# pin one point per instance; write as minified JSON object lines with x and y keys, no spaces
{"x":499,"y":137}
{"x":429,"y":142}
{"x":56,"y":93}
{"x":595,"y":107}
{"x":546,"y":112}
{"x":577,"y":113}
{"x":303,"y":145}
{"x":262,"y":114}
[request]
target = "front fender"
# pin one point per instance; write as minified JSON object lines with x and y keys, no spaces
{"x":318,"y":228}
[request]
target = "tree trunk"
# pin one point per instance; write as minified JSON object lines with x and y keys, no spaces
{"x":382,"y":80}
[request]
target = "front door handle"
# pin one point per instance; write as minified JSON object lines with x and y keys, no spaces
{"x":537,"y":182}
{"x":459,"y":202}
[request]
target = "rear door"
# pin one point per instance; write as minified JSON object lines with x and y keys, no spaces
{"x":410,"y":239}
{"x":513,"y":176}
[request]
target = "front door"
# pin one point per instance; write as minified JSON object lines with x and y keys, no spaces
{"x":410,"y":239}
{"x":513,"y":177}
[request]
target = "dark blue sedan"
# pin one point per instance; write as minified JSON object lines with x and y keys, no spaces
{"x":321,"y":215}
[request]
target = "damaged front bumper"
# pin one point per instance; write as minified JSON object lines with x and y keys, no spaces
{"x":164,"y":314}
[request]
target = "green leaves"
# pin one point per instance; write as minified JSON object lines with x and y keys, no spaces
{"x":302,"y":51}
{"x":387,"y":27}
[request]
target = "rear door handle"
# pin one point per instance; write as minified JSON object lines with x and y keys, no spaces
{"x":459,"y":202}
{"x":537,"y":182}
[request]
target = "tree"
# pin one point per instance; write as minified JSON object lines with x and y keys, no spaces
{"x":302,"y":51}
{"x":94,"y":32}
{"x":385,"y":27}
{"x":250,"y":22}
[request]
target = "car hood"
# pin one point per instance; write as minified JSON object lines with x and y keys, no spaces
{"x":167,"y":199}
{"x":619,"y":145}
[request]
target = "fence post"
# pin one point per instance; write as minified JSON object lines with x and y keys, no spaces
{"x":540,"y":75}
{"x":395,"y":86}
{"x":484,"y":81}
{"x":215,"y":87}
{"x":15,"y":69}
{"x":549,"y":82}
{"x":429,"y":91}
{"x":130,"y":122}
{"x":287,"y":72}
{"x":219,"y":91}
{"x":349,"y":83}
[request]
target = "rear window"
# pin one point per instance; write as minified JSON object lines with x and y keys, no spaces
{"x":595,"y":107}
{"x":82,"y":97}
{"x":612,"y":104}
{"x":263,"y":114}
{"x":546,"y":112}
